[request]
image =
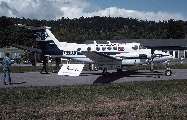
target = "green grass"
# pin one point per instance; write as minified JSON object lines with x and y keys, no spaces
{"x":21,"y":69}
{"x":131,"y":100}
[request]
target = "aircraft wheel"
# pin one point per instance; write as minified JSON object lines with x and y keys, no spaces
{"x":168,"y":72}
{"x":119,"y":70}
{"x":105,"y":74}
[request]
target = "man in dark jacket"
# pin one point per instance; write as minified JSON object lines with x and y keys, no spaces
{"x":44,"y":65}
{"x":6,"y":64}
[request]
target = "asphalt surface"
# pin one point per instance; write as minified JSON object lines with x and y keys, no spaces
{"x":88,"y":77}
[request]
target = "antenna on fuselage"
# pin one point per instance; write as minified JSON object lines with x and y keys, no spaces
{"x":94,"y":42}
{"x":108,"y":42}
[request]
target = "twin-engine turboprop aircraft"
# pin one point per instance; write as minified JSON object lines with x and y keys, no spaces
{"x":110,"y":55}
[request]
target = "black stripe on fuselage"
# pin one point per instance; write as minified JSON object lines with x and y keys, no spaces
{"x":131,"y":57}
{"x":49,"y":48}
{"x":112,"y":53}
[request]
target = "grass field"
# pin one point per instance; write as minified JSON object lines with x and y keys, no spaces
{"x":132,"y":100}
{"x":21,"y":69}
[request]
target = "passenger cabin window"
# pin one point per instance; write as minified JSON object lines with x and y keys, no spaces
{"x":109,"y":48}
{"x":115,"y":48}
{"x":89,"y":48}
{"x":97,"y":48}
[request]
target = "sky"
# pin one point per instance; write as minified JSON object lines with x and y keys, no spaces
{"x":151,"y":10}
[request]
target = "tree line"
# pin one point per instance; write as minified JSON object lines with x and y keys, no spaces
{"x":93,"y":28}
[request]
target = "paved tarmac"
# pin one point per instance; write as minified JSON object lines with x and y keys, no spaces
{"x":88,"y":77}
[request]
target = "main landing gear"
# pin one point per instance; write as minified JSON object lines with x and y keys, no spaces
{"x":105,"y":73}
{"x":168,"y":72}
{"x":119,"y":70}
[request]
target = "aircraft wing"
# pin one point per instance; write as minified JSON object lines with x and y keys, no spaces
{"x":99,"y":57}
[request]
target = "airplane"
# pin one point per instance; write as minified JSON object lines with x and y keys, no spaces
{"x":110,"y":55}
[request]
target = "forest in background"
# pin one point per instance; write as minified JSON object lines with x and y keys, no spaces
{"x":93,"y":28}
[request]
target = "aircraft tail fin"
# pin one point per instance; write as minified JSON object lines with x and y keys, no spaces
{"x":46,"y":40}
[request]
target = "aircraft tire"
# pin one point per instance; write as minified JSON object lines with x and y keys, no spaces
{"x":105,"y":74}
{"x":168,"y":72}
{"x":119,"y":70}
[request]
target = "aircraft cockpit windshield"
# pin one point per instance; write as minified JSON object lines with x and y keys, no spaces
{"x":142,"y":47}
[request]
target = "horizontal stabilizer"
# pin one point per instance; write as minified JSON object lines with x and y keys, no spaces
{"x":33,"y":28}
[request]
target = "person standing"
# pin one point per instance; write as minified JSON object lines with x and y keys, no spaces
{"x":90,"y":67}
{"x":44,"y":65}
{"x":6,"y":64}
{"x":57,"y":60}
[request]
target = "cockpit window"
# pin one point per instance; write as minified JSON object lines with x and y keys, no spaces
{"x":142,"y":47}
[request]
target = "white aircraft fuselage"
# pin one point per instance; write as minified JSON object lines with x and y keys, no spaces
{"x":114,"y":54}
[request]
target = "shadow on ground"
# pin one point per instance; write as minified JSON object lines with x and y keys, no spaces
{"x":129,"y":73}
{"x":19,"y":83}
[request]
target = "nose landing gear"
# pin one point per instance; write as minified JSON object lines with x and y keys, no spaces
{"x":168,"y":72}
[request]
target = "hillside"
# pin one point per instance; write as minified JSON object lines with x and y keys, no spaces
{"x":94,"y":28}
